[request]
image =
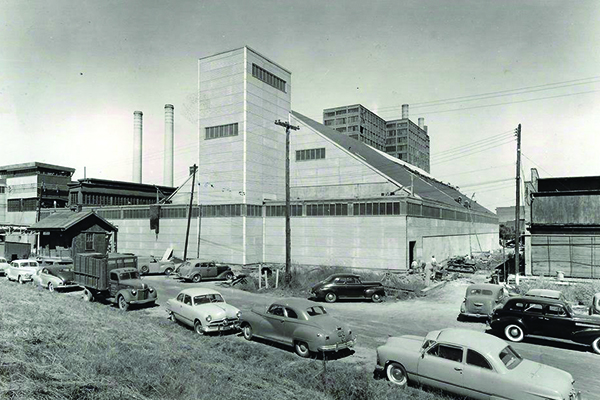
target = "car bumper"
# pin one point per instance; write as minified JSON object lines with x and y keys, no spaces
{"x":474,"y":315}
{"x":221,"y":326}
{"x":575,"y":395}
{"x":338,"y":346}
{"x":145,"y":301}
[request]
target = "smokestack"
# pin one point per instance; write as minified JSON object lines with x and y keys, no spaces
{"x":137,"y":146}
{"x":168,"y":162}
{"x":422,"y":123}
{"x":404,"y":111}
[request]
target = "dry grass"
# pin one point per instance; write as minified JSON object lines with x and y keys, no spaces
{"x":54,"y":346}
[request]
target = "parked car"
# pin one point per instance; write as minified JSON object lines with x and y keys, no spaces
{"x":203,"y":309}
{"x":45,"y":261}
{"x":480,"y":300}
{"x":3,"y":266}
{"x":547,"y":293}
{"x":303,"y":324}
{"x":197,"y":270}
{"x":595,"y":307}
{"x":473,"y":364}
{"x":521,"y":316}
{"x":22,"y":270}
{"x":153,"y":265}
{"x":55,"y":277}
{"x":347,"y":286}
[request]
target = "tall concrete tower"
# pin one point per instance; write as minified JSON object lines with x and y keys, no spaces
{"x":137,"y":146}
{"x":169,"y":134}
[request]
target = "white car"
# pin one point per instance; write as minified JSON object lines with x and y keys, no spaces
{"x":3,"y":266}
{"x":203,"y":309}
{"x":22,"y":270}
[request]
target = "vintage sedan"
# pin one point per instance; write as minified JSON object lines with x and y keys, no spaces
{"x":198,"y":270}
{"x":481,"y":299}
{"x":554,"y":318}
{"x":472,"y":364}
{"x":22,"y":270}
{"x":154,"y":265}
{"x":303,"y":324}
{"x":3,"y":266}
{"x":347,"y":286}
{"x":55,"y":277}
{"x":203,"y":309}
{"x":546,"y":293}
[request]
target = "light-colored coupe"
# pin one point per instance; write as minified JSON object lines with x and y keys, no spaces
{"x":472,"y":364}
{"x":203,"y":309}
{"x":22,"y":270}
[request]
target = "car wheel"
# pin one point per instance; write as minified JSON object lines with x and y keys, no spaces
{"x":123,"y":305}
{"x":376,"y":298}
{"x":229,"y":276}
{"x":171,"y":317}
{"x":145,"y":269}
{"x":596,"y":345}
{"x":198,"y":327}
{"x":247,"y":331}
{"x":514,"y":333}
{"x":396,"y":374}
{"x":168,"y":271}
{"x":50,"y":287}
{"x":19,"y":279}
{"x":302,"y":349}
{"x":330,"y":297}
{"x":88,"y":296}
{"x":197,"y":278}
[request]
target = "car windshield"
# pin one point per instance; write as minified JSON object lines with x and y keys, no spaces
{"x":31,"y":264}
{"x":316,"y":310}
{"x":129,"y":275}
{"x":510,"y":357}
{"x":476,"y":292}
{"x":208,"y":298}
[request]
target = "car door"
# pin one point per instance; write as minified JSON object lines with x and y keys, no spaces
{"x":113,"y":284}
{"x":557,"y":322}
{"x":340,"y":288}
{"x":480,"y":378}
{"x":211,"y":270}
{"x":44,"y":277}
{"x":533,"y":316}
{"x":290,"y":325}
{"x":274,"y":320}
{"x":187,"y":311}
{"x":176,"y":307}
{"x":354,"y":287}
{"x":441,"y":367}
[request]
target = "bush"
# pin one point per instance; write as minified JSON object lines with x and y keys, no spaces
{"x":580,"y":293}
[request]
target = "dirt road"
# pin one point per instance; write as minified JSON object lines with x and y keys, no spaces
{"x":375,"y":322}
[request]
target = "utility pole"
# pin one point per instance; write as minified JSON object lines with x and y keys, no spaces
{"x":518,"y":206}
{"x":288,"y":228}
{"x":187,"y":231}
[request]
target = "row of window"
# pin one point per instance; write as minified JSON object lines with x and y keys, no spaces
{"x":268,"y":78}
{"x":310,"y":154}
{"x":110,"y":200}
{"x":219,"y":131}
{"x":20,"y":205}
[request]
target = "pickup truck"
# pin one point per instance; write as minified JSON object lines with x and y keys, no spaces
{"x":113,"y":277}
{"x":347,"y":286}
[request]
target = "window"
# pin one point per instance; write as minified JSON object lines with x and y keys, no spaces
{"x":291,"y":313}
{"x":316,"y":310}
{"x":510,"y":357}
{"x":89,"y":241}
{"x":328,"y":122}
{"x":310,"y":154}
{"x":556,"y":310}
{"x":219,"y":131}
{"x":330,"y":114}
{"x":477,"y":360}
{"x":268,"y":78}
{"x":114,"y":276}
{"x":187,"y":300}
{"x":276,"y":310}
{"x":534,"y":308}
{"x":447,"y":352}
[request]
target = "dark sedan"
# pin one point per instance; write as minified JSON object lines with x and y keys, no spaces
{"x":347,"y":286}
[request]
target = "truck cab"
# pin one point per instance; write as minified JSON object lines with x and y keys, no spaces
{"x":126,"y":288}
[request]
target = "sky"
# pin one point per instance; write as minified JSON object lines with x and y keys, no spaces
{"x":73,"y":72}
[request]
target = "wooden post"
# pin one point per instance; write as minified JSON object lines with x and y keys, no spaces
{"x":276,"y":279}
{"x":187,"y":231}
{"x":259,"y":275}
{"x":266,"y":280}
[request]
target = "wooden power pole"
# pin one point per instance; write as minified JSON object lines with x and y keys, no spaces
{"x":288,"y":228}
{"x":518,"y":206}
{"x":187,"y":231}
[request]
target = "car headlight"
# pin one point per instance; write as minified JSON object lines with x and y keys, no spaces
{"x":208,"y":318}
{"x":133,"y":292}
{"x":150,"y":289}
{"x":238,"y":314}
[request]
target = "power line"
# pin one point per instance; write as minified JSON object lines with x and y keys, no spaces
{"x":478,"y":170}
{"x":470,"y":148}
{"x":484,"y":140}
{"x":457,"y":156}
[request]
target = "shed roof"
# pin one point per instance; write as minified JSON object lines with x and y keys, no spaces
{"x":424,"y":185}
{"x":66,"y":219}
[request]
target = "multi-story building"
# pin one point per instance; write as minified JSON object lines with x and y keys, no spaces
{"x":26,"y":184}
{"x":358,"y":122}
{"x":400,"y":138}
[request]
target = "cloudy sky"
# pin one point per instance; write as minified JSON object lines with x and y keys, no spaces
{"x":73,"y":72}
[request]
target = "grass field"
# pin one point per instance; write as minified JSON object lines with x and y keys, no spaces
{"x":55,"y":346}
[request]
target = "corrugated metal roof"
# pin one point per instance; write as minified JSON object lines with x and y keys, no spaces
{"x":65,"y":219}
{"x":425,"y":185}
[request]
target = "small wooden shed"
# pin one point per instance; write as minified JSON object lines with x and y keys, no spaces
{"x":75,"y":232}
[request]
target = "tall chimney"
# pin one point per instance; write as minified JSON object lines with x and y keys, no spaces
{"x":404,"y":111}
{"x":422,"y":123}
{"x":137,"y":146}
{"x":168,"y":162}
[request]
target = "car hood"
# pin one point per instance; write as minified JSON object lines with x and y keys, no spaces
{"x":547,"y":380}
{"x":408,"y":343}
{"x":134,"y":284}
{"x":217,"y":311}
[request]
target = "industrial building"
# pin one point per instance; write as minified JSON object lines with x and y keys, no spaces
{"x":563,"y":214}
{"x":401,"y":138}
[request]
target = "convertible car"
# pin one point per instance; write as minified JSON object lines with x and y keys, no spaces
{"x":203,"y":309}
{"x":472,"y":364}
{"x":303,"y":324}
